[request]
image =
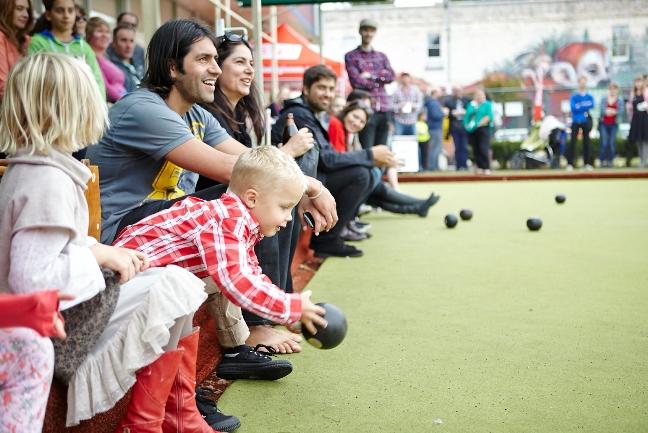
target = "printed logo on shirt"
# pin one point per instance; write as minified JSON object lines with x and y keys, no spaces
{"x":165,"y":184}
{"x":197,"y":129}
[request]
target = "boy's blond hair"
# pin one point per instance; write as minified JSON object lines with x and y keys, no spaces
{"x":51,"y":101}
{"x":265,"y":168}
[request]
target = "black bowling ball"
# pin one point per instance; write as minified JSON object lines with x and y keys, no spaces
{"x":450,"y":220}
{"x":333,"y":334}
{"x":560,"y":198}
{"x":466,"y":214}
{"x":534,"y":224}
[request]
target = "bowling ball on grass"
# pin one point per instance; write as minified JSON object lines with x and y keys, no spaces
{"x":450,"y":220}
{"x":466,"y":214}
{"x":534,"y":224}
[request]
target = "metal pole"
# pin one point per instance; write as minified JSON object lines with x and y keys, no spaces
{"x":228,"y":17}
{"x":151,"y":19}
{"x":321,"y":33}
{"x":218,"y":21}
{"x":275,"y":61}
{"x":257,"y":16}
{"x":446,"y":16}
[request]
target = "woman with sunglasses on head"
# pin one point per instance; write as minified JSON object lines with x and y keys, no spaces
{"x":15,"y":22}
{"x":238,"y":108}
{"x":343,"y":132}
{"x":54,"y":32}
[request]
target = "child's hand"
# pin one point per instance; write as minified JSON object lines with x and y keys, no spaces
{"x":311,"y":314}
{"x":59,"y":325}
{"x":121,"y":260}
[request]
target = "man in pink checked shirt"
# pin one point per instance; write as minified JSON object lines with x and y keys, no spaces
{"x":216,"y":239}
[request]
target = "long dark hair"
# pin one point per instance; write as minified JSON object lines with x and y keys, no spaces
{"x":15,"y":36}
{"x":248,"y":106}
{"x":354,"y":105}
{"x":168,"y":47}
{"x":42,"y":23}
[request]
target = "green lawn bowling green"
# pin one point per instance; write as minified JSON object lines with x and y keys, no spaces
{"x":487,"y":327}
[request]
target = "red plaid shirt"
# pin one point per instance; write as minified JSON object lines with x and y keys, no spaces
{"x":217,"y":239}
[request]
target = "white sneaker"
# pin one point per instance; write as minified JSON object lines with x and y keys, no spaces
{"x":569,"y":167}
{"x":364,"y":209}
{"x":588,"y":167}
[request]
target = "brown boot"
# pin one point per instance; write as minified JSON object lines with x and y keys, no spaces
{"x":182,"y":415}
{"x":145,"y":413}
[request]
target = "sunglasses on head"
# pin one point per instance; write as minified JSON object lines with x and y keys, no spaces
{"x":81,"y":18}
{"x":230,"y":37}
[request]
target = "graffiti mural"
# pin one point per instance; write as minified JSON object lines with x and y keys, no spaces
{"x":548,"y":72}
{"x":561,"y":60}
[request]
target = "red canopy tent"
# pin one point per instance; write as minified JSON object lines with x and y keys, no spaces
{"x":294,"y":56}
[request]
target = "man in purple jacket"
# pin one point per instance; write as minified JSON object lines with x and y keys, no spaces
{"x":370,"y":70}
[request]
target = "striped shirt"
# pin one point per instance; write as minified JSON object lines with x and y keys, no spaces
{"x":214,"y":238}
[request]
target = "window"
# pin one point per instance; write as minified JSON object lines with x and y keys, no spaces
{"x":434,"y":45}
{"x":620,"y":43}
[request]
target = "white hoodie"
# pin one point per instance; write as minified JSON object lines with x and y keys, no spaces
{"x":43,"y":228}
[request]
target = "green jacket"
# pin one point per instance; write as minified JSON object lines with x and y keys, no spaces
{"x":474,"y":115}
{"x":78,"y":48}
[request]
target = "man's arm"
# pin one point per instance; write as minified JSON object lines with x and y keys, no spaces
{"x":386,"y":74}
{"x":216,"y":164}
{"x":329,"y":158}
{"x":434,"y":111}
{"x":573,"y":105}
{"x":355,"y":74}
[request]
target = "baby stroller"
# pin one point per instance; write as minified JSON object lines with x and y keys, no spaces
{"x":542,"y":148}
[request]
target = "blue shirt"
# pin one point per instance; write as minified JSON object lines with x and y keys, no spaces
{"x":434,"y":114}
{"x":580,"y":104}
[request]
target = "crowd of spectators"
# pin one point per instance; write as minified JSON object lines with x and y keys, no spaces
{"x":195,"y":206}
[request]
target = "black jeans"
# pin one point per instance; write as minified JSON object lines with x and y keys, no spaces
{"x":571,"y":149}
{"x":480,"y":141}
{"x":350,"y":187}
{"x":151,"y":207}
{"x":377,"y":129}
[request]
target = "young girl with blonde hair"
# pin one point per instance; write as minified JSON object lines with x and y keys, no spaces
{"x":53,"y":108}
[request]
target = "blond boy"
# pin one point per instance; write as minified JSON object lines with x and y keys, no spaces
{"x":216,"y":239}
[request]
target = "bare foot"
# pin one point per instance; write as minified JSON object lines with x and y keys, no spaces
{"x":279,"y":340}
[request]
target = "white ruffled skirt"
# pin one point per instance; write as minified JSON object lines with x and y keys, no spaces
{"x":147,"y":308}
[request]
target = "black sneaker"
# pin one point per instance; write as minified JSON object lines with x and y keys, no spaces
{"x":245,"y":362}
{"x":212,"y":415}
{"x":341,"y":250}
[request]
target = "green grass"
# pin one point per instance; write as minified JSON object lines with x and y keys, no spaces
{"x":487,"y":327}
